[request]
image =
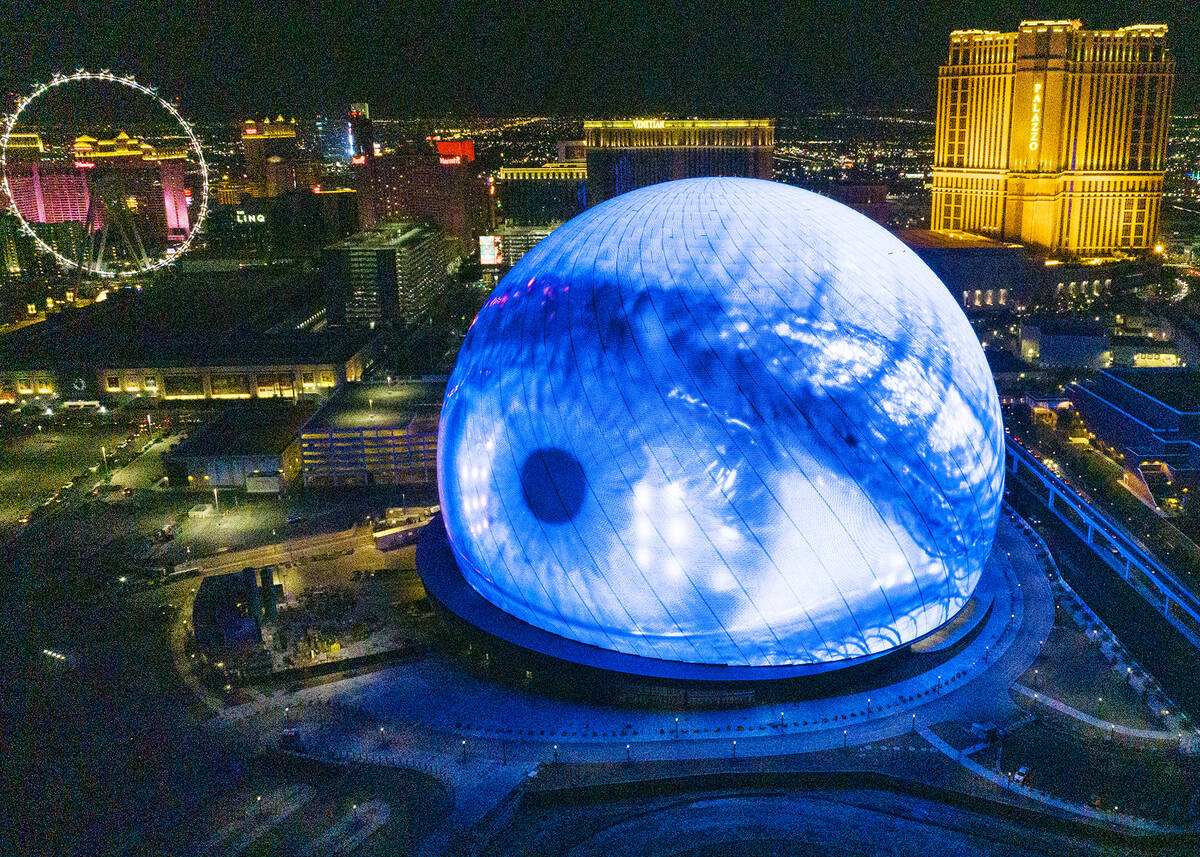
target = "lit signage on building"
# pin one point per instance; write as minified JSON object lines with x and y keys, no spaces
{"x":243,"y":217}
{"x":358,"y":160}
{"x":649,"y":123}
{"x":1035,"y":119}
{"x":449,"y":161}
{"x":489,"y":250}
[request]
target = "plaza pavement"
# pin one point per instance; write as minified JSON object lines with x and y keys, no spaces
{"x":482,"y":738}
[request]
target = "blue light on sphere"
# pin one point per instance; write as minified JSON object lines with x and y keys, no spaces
{"x":723,"y":421}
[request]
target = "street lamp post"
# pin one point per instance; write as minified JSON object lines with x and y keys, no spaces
{"x":216,"y":503}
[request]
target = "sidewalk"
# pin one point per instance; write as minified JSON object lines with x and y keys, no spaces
{"x":1081,"y":810}
{"x":1192,"y":739}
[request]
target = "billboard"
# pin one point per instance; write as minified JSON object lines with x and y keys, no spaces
{"x":455,"y":151}
{"x":489,"y":250}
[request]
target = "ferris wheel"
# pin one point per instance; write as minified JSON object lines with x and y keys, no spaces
{"x":105,"y":211}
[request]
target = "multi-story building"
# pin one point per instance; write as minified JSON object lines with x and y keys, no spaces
{"x":362,"y":132}
{"x":1054,"y":136}
{"x":148,"y":183}
{"x":516,"y":241}
{"x":420,"y":184}
{"x":625,"y":155}
{"x":43,"y":193}
{"x":374,"y":435}
{"x":151,"y":181}
{"x":289,"y":369}
{"x":538,"y":196}
{"x":227,"y":338}
{"x":1151,"y":419}
{"x":274,"y":163}
{"x":394,"y":271}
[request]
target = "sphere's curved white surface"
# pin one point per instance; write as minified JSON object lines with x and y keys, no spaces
{"x":723,"y":421}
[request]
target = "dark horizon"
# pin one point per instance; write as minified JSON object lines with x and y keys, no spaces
{"x":229,"y":60}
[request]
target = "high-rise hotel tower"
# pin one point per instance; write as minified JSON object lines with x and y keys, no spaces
{"x":1054,"y":136}
{"x":625,"y":155}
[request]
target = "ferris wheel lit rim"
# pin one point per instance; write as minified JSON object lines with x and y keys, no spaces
{"x":41,"y":89}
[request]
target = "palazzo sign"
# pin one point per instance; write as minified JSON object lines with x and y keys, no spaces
{"x":1035,"y":119}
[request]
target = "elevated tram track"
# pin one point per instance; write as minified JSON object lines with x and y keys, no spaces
{"x":1109,"y":541}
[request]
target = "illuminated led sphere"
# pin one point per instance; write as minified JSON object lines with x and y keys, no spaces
{"x":723,"y":421}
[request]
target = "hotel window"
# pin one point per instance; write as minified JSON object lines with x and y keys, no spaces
{"x":113,"y":383}
{"x":150,"y":383}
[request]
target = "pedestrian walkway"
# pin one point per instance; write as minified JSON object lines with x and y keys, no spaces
{"x":1080,"y":810}
{"x":436,"y":698}
{"x":439,"y":695}
{"x":353,"y":829}
{"x":264,"y":814}
{"x":1103,"y":725}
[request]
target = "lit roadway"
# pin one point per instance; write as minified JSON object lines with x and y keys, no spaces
{"x":289,"y":551}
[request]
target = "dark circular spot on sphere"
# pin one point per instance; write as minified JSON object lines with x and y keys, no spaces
{"x":553,"y":483}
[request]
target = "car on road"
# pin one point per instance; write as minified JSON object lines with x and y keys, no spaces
{"x":127,"y":491}
{"x":1020,"y":775}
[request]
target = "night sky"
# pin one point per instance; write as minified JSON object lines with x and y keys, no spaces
{"x":576,"y":58}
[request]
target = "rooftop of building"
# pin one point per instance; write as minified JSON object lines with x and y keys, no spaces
{"x":1073,"y":25}
{"x":265,"y":128}
{"x":927,"y":239}
{"x":1003,"y":362}
{"x":1175,"y":388}
{"x":386,"y":236}
{"x":554,"y":170}
{"x":671,"y":124}
{"x":253,"y":428}
{"x":191,"y":321}
{"x":1051,"y":326}
{"x":357,"y":406}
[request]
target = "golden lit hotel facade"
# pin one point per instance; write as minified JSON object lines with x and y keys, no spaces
{"x":1054,"y":136}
